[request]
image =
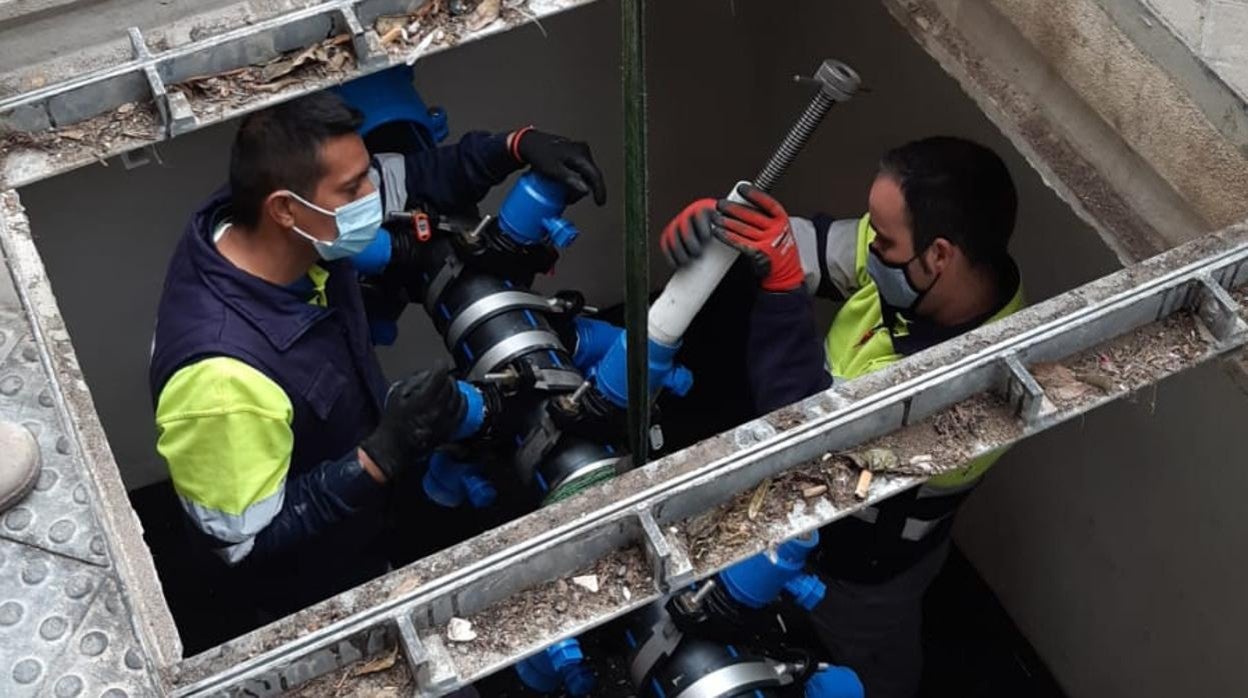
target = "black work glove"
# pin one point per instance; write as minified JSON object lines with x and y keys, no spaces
{"x":421,"y":413}
{"x":565,"y":161}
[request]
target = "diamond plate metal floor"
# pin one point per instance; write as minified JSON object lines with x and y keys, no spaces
{"x":66,"y":624}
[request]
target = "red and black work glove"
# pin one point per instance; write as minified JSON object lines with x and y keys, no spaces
{"x":760,"y":230}
{"x":686,"y":235}
{"x":565,"y":161}
{"x":422,"y":412}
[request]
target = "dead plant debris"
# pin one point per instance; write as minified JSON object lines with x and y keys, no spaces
{"x":328,"y":62}
{"x":543,"y":611}
{"x":131,"y":124}
{"x":392,"y":681}
{"x":437,"y":24}
{"x":940,"y":444}
{"x":1124,"y":364}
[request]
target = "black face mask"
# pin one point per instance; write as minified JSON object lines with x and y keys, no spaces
{"x":893,"y":281}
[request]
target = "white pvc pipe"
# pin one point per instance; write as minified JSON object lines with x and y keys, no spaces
{"x":689,"y":288}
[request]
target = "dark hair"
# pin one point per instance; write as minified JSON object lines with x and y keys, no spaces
{"x":279,"y":148}
{"x":957,"y":190}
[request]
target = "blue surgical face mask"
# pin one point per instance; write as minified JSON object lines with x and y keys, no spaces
{"x":894,"y":284}
{"x":357,"y":224}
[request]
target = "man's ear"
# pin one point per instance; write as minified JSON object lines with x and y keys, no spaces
{"x":940,"y":255}
{"x":281,"y":208}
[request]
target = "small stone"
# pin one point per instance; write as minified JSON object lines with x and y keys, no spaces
{"x":126,"y":108}
{"x":460,"y":630}
{"x":561,"y":606}
{"x":589,"y":582}
{"x":621,"y":571}
{"x":628,"y":595}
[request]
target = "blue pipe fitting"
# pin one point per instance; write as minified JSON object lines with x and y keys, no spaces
{"x":611,"y":374}
{"x":532,"y":212}
{"x":560,"y":666}
{"x":373,"y":259}
{"x":474,"y":415}
{"x":835,"y":682}
{"x":449,"y":482}
{"x":594,"y":338}
{"x":758,"y":581}
{"x":807,"y":590}
{"x":389,"y":95}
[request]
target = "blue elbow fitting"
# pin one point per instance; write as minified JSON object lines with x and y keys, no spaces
{"x":474,"y":414}
{"x":594,"y":338}
{"x":449,"y":482}
{"x":611,"y":374}
{"x":835,"y":682}
{"x":560,"y":666}
{"x":758,"y":581}
{"x":532,"y":212}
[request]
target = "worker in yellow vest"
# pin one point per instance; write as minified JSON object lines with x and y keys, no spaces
{"x":926,"y":263}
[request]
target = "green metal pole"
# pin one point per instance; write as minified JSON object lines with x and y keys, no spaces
{"x":636,"y":222}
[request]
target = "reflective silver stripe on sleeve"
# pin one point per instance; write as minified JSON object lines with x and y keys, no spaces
{"x":808,"y":251}
{"x":235,"y":528}
{"x":390,"y":176}
{"x":840,"y":255}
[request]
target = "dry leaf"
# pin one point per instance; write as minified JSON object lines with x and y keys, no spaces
{"x":379,"y":664}
{"x":485,"y":14}
{"x":757,"y":499}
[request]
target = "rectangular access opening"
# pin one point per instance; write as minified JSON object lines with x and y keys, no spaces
{"x":105,"y":233}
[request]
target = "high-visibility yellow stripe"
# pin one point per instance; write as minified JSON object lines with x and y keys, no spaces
{"x":224,"y":430}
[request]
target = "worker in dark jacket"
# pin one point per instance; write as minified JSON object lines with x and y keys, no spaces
{"x":926,"y":263}
{"x":271,"y":409}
